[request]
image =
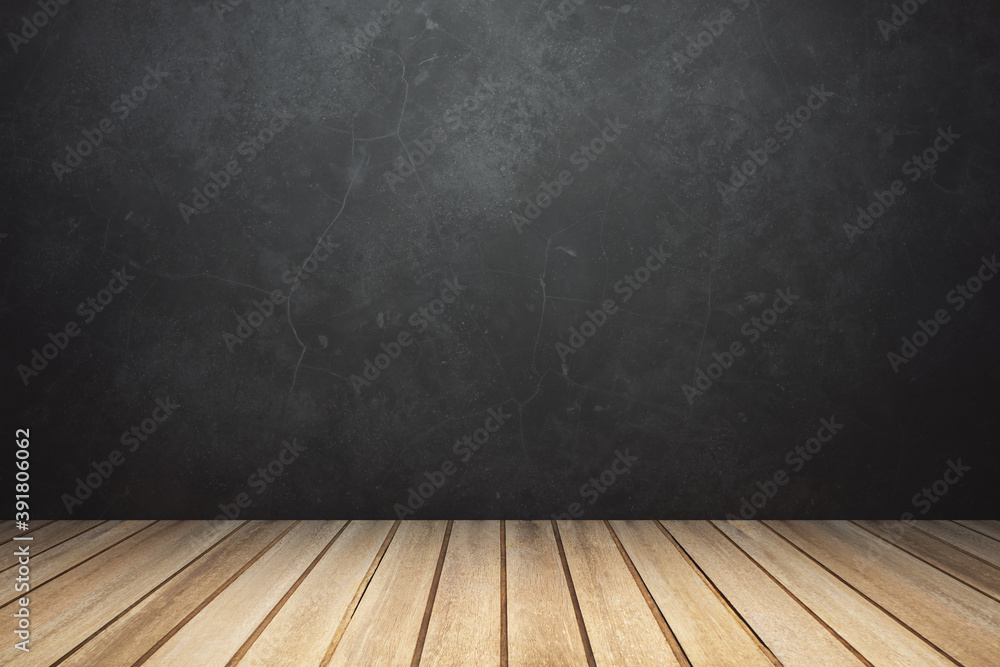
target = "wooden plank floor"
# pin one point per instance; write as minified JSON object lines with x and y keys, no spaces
{"x":507,"y":593}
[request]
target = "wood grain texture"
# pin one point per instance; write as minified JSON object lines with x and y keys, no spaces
{"x":8,"y":529}
{"x":323,"y":598}
{"x":620,"y":625}
{"x":965,"y":539}
{"x":542,"y":628}
{"x":875,"y":634}
{"x":708,"y":630}
{"x":792,"y":633}
{"x":221,"y":628}
{"x":464,"y":626}
{"x":60,"y":558}
{"x":129,"y":637}
{"x":72,"y":607}
{"x":45,"y":538}
{"x":386,"y":625}
{"x":957,"y":563}
{"x":988,"y":528}
{"x":685,"y":593}
{"x":962,"y":622}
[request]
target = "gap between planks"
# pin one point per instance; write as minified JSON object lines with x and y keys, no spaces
{"x":654,"y":608}
{"x":930,"y":563}
{"x":151,"y":592}
{"x":281,"y":603}
{"x":802,"y":604}
{"x":87,"y":559}
{"x":426,"y":621}
{"x":963,"y":525}
{"x":718,"y":594}
{"x":863,"y":595}
{"x":351,"y":608}
{"x":572,"y":596}
{"x":194,"y":612}
{"x":503,"y":594}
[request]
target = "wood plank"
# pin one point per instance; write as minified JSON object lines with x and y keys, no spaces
{"x":707,"y":628}
{"x":875,"y":634}
{"x":218,"y":631}
{"x":323,"y":598}
{"x":542,"y":628}
{"x":464,"y":625}
{"x":961,"y":621}
{"x":974,"y":572}
{"x":792,"y":633}
{"x":8,"y":531}
{"x":621,"y":628}
{"x":60,"y":558}
{"x":987,"y":528}
{"x":386,"y":625}
{"x":128,"y":638}
{"x":46,"y":538}
{"x":72,"y":607}
{"x":961,"y":537}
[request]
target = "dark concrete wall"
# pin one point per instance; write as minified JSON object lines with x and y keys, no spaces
{"x":633,"y":230}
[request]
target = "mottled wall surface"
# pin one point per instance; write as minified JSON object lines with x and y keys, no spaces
{"x":502,"y":259}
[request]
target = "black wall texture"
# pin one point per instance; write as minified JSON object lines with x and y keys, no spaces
{"x":471,"y":259}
